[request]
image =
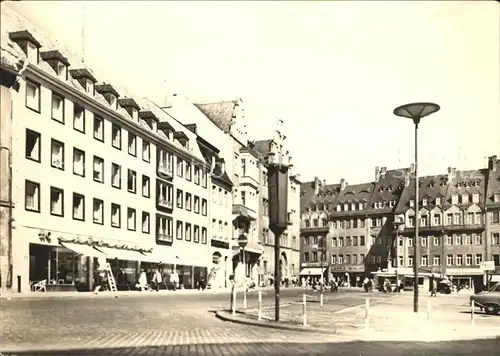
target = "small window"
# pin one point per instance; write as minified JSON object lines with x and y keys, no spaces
{"x":33,"y":141}
{"x":57,"y":154}
{"x":98,"y":211}
{"x":145,"y":186}
{"x":78,"y":207}
{"x":180,"y":167}
{"x":145,"y":222}
{"x":180,"y":198}
{"x":204,"y":207}
{"x":78,"y":162}
{"x":116,"y":136}
{"x":196,"y":237}
{"x":204,"y":235}
{"x":116,"y":176}
{"x":188,"y":171}
{"x":62,"y":71}
{"x":179,"y":230}
{"x":115,"y":215}
{"x":132,"y":145}
{"x":89,"y":86}
{"x":146,"y":154}
{"x":32,"y":52}
{"x":98,"y":128}
{"x":203,"y":178}
{"x":188,"y":202}
{"x":196,"y":205}
{"x":79,"y":118}
{"x":98,"y":169}
{"x":32,"y":196}
{"x":33,"y":96}
{"x":132,"y":181}
{"x":197,"y":175}
{"x":56,"y":201}
{"x":112,"y":101}
{"x":131,"y":219}
{"x":57,"y":107}
{"x":188,"y":232}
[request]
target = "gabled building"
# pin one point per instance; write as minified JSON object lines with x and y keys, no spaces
{"x":354,"y":233}
{"x":492,"y":221}
{"x":317,"y":201}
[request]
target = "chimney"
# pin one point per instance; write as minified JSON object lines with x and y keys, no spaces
{"x":407,"y":179}
{"x":377,"y":173}
{"x":493,"y":164}
{"x":451,"y":173}
{"x":316,"y":185}
{"x":343,"y":184}
{"x":383,"y":171}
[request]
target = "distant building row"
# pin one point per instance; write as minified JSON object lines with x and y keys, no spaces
{"x":369,"y":227}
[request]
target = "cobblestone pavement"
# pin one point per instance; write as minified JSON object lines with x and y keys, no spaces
{"x":98,"y":323}
{"x":288,"y":345}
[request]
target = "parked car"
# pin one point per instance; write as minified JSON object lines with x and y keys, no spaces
{"x":488,"y":300}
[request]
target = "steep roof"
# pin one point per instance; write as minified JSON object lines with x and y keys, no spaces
{"x":493,"y":186}
{"x":430,"y":188}
{"x":356,"y":193}
{"x":263,"y":146}
{"x":221,"y":113}
{"x":467,"y":182}
{"x":327,"y":194}
{"x":388,"y":188}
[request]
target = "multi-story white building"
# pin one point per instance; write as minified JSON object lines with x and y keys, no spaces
{"x":97,"y":175}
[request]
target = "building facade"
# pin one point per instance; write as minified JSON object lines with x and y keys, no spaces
{"x":369,"y":228}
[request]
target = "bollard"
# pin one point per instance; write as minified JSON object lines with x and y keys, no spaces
{"x":367,"y":308}
{"x":304,"y":309}
{"x":472,"y":307}
{"x":321,"y":300}
{"x":234,"y":301}
{"x":428,"y":310}
{"x":259,"y":317}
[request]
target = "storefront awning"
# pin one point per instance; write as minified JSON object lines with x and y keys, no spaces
{"x":85,"y":250}
{"x":126,"y":255}
{"x":312,"y":271}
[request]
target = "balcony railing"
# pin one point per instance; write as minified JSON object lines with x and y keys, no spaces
{"x":165,"y":170}
{"x":163,"y":237}
{"x":164,"y":203}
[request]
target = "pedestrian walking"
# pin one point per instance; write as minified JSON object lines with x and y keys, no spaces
{"x":157,"y":279}
{"x":174,"y":279}
{"x":143,"y":281}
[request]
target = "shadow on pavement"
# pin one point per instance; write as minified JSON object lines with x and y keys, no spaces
{"x":371,"y":348}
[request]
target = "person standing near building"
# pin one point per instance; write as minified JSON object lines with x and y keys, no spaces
{"x":174,"y":279}
{"x":157,"y":279}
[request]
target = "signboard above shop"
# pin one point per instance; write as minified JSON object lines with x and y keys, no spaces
{"x":487,"y":265}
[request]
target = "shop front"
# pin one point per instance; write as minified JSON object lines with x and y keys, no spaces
{"x":312,"y":273}
{"x":65,"y":267}
{"x":349,"y":276}
{"x":466,"y":278}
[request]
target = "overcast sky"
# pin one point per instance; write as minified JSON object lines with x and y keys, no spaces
{"x":333,"y":71}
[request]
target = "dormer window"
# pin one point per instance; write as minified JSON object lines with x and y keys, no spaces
{"x":424,"y":202}
{"x":182,"y":138}
{"x":438,"y":201}
{"x":134,"y":113}
{"x":112,"y":101}
{"x":412,"y":203}
{"x":353,"y":206}
{"x":475,"y":198}
{"x":496,"y":198}
{"x":465,"y":198}
{"x":62,"y":71}
{"x":85,"y":78}
{"x":28,"y":44}
{"x":454,"y":199}
{"x":391,"y":203}
{"x":32,"y":52}
{"x":339,"y":208}
{"x":346,"y":207}
{"x":360,"y":206}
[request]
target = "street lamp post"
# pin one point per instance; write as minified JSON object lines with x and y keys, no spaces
{"x":415,"y":112}
{"x":242,"y":242}
{"x":277,"y":174}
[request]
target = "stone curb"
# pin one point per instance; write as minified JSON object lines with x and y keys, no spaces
{"x":89,"y":295}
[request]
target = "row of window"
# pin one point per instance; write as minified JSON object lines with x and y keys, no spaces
{"x":57,"y":207}
{"x":163,"y":223}
{"x":450,"y":240}
{"x":451,"y":260}
{"x":185,"y":201}
{"x":220,"y":229}
{"x":58,"y":114}
{"x":220,"y":197}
